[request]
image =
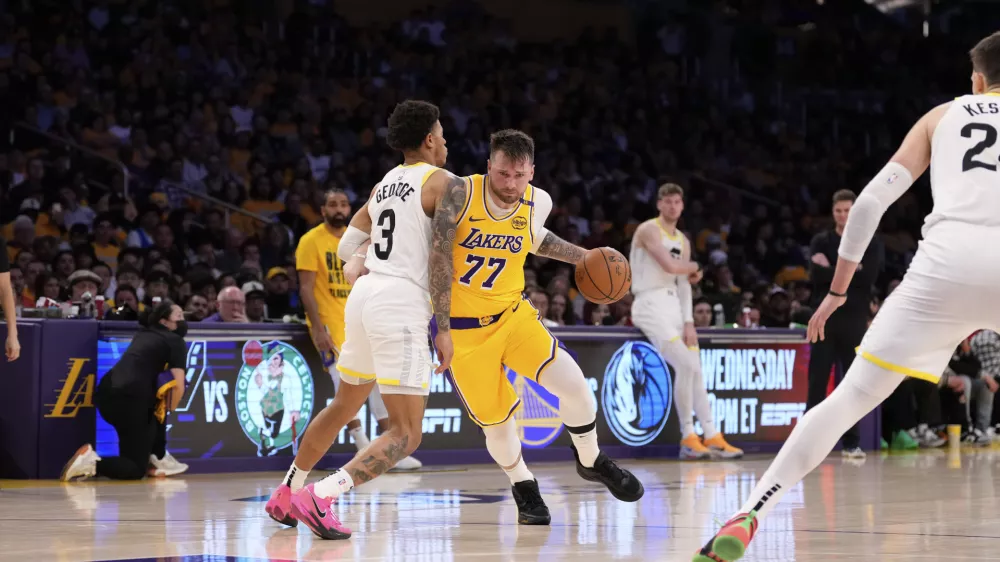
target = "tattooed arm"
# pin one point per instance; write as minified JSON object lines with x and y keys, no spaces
{"x":448,"y":193}
{"x":556,"y":248}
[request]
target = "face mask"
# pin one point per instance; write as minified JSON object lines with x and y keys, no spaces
{"x":182,"y":328}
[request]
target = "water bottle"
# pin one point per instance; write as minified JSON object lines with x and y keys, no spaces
{"x":720,"y":315}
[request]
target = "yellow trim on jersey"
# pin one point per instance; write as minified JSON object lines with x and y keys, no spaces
{"x":899,"y":369}
{"x":486,"y":205}
{"x":411,"y":165}
{"x":468,"y":199}
{"x":676,"y":238}
{"x":430,"y":172}
{"x":990,"y":94}
{"x":356,"y":374}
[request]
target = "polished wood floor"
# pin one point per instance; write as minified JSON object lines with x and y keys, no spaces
{"x":923,"y":506}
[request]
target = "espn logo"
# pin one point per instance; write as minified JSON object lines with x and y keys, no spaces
{"x":781,"y":414}
{"x":448,"y":419}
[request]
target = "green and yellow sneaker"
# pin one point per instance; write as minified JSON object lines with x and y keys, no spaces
{"x":732,"y":540}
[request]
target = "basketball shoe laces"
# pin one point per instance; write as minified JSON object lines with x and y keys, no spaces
{"x":531,"y":497}
{"x":610,"y":468}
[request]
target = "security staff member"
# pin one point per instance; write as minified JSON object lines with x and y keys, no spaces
{"x":847,"y":325}
{"x":128,"y":395}
{"x":13,"y":347}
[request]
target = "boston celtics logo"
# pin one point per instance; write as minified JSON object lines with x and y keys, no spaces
{"x":274,"y":395}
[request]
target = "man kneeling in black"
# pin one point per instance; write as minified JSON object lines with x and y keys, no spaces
{"x":127,"y":396}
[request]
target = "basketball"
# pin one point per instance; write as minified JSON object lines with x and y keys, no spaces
{"x":603,"y":276}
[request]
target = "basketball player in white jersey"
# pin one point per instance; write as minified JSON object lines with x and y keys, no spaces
{"x":387,"y":317}
{"x":951,"y":289}
{"x":662,"y":273}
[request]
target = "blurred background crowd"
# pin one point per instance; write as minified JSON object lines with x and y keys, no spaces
{"x":179,"y":148}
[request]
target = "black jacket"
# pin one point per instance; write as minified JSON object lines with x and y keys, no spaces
{"x":859,"y":293}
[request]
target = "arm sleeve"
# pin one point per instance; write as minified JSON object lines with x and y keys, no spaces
{"x":306,"y":256}
{"x":353,"y":238}
{"x":540,"y":213}
{"x":875,"y":198}
{"x":178,"y":354}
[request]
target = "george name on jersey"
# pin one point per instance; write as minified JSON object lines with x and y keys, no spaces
{"x":385,"y":191}
{"x":980,"y":108}
{"x":479,"y":239}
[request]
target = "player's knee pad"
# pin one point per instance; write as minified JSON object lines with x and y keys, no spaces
{"x":873,"y":382}
{"x":502,"y":442}
{"x":565,"y":379}
{"x":377,"y":405}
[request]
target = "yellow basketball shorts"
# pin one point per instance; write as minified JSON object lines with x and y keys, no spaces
{"x":516,"y":339}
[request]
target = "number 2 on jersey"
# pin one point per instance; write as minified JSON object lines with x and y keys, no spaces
{"x":477,"y":263}
{"x":969,"y":162}
{"x":387,"y":222}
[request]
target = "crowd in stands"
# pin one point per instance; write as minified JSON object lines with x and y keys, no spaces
{"x":749,"y":104}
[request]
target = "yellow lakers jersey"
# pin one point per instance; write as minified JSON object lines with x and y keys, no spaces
{"x":317,"y":251}
{"x":489,"y":253}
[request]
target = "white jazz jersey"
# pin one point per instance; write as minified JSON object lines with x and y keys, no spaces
{"x":401,"y":231}
{"x":965,"y":154}
{"x":647,"y":274}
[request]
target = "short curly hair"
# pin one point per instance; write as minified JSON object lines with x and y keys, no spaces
{"x":517,"y":145}
{"x":410,"y":123}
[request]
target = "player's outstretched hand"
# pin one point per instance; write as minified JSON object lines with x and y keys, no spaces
{"x":445,"y":351}
{"x":817,"y":324}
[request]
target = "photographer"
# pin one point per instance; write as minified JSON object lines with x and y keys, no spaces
{"x":129,"y":396}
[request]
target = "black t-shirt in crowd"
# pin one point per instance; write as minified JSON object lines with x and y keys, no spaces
{"x":856,"y":310}
{"x":4,"y":260}
{"x":153,"y":350}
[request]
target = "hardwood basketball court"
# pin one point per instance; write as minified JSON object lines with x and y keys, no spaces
{"x":929,"y":505}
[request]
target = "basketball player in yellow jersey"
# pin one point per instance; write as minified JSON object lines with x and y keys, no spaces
{"x":324,"y":291}
{"x":492,"y":325}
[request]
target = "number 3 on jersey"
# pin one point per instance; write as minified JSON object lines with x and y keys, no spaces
{"x":387,"y":222}
{"x":495,"y":265}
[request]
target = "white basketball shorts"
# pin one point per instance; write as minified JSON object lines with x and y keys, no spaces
{"x":951,"y":290}
{"x":386,"y":323}
{"x":657,"y":313}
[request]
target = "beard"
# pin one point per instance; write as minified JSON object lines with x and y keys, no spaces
{"x":336,"y":221}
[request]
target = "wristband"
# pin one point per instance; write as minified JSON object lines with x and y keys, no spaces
{"x":837,"y":294}
{"x":362,"y":256}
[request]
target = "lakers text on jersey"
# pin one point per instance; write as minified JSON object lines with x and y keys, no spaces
{"x":492,"y":324}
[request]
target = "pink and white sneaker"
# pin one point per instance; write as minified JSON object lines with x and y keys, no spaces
{"x":317,"y":514}
{"x":279,"y":507}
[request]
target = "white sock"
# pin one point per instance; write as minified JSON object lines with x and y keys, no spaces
{"x":585,"y":443}
{"x":334,"y":485}
{"x":520,"y":472}
{"x":295,"y":478}
{"x":863,"y":388}
{"x":358,"y":436}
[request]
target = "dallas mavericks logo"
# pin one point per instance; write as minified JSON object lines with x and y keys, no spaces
{"x":274,"y":395}
{"x":538,"y":421}
{"x":636,"y":393}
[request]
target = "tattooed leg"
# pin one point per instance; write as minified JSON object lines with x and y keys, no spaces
{"x":406,"y":414}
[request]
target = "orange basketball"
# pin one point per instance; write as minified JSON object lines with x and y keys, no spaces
{"x":603,"y":276}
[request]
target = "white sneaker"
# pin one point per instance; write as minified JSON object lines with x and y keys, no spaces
{"x":855,"y":453}
{"x":409,"y":463}
{"x":928,"y":439}
{"x":167,"y":466}
{"x":83,"y":464}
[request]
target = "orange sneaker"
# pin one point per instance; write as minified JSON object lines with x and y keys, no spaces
{"x":732,"y":540}
{"x":693,"y":449}
{"x":719,"y":448}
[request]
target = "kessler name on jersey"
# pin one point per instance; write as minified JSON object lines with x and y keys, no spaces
{"x":477,"y":239}
{"x":981,"y":108}
{"x":401,"y":190}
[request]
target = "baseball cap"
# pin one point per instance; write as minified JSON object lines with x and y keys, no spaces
{"x":276,"y":271}
{"x":251,"y":288}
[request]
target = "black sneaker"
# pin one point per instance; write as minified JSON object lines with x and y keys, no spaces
{"x":531,"y":508}
{"x":622,"y":484}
